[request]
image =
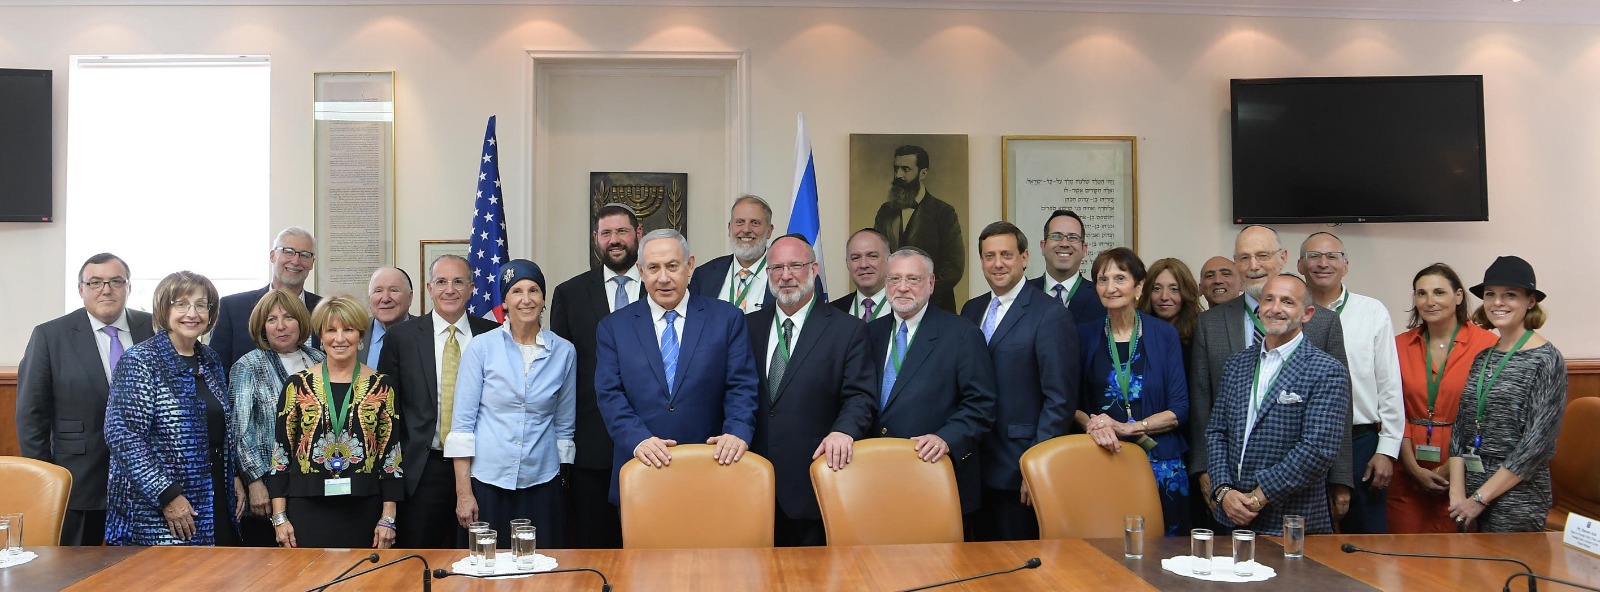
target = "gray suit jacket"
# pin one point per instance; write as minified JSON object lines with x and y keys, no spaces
{"x":1220,"y":334}
{"x":62,"y":390}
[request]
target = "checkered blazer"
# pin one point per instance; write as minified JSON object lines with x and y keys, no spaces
{"x":1294,"y":442}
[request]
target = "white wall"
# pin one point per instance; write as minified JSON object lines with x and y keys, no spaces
{"x":1160,"y":77}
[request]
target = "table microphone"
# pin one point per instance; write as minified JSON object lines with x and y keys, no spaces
{"x":1349,"y":548}
{"x":373,"y":558}
{"x":1032,"y":563}
{"x":605,"y":585}
{"x":1533,"y":576}
{"x":427,"y":576}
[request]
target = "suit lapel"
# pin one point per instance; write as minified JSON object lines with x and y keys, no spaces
{"x":430,"y":372}
{"x":809,"y":334}
{"x":85,"y":348}
{"x":1289,"y":369}
{"x":693,"y":326}
{"x":598,"y":305}
{"x":1013,"y":315}
{"x":645,"y":331}
{"x":1235,"y":317}
{"x":917,"y":352}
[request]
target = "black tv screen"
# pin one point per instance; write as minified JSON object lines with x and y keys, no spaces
{"x":25,"y":146}
{"x":1367,"y":149}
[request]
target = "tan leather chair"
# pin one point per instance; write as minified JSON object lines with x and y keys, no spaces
{"x":695,"y":503}
{"x":1081,"y":490}
{"x":39,"y":490}
{"x":1575,"y":469}
{"x":888,"y":496}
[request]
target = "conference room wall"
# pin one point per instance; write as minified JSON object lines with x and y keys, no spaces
{"x":1162,"y":78}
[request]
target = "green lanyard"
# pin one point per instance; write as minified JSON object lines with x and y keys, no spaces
{"x":1074,"y":290}
{"x":1486,"y":383}
{"x":855,"y":307}
{"x":739,"y":302}
{"x":783,"y":342}
{"x":1124,"y":370}
{"x":339,"y":413}
{"x":1255,"y":319}
{"x":1436,"y":378}
{"x":1344,"y":300}
{"x":1255,"y":383}
{"x":895,"y":355}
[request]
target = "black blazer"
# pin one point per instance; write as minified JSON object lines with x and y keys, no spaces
{"x":578,"y":305}
{"x":945,"y":386}
{"x":1037,"y":369}
{"x":230,"y":338}
{"x":830,"y":385}
{"x":62,"y":390}
{"x":407,"y":358}
{"x":1085,"y":304}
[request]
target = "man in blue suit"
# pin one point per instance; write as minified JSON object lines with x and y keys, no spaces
{"x":938,"y":385}
{"x":740,"y":278}
{"x":673,"y":367}
{"x":292,"y":256}
{"x":1034,"y":346}
{"x":1063,"y":247}
{"x":1279,"y":421}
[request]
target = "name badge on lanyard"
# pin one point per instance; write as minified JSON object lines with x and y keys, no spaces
{"x":332,"y":487}
{"x":1429,"y":453}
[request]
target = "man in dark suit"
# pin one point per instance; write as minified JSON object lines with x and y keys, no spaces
{"x":389,"y":303}
{"x":292,"y":256}
{"x":674,"y":367}
{"x":912,"y":217}
{"x":1034,"y":346}
{"x":421,"y":356}
{"x":938,"y":385}
{"x":62,"y":386}
{"x":1278,"y":423}
{"x":575,"y":313}
{"x":743,"y":285}
{"x":867,"y":255}
{"x":1221,"y":332}
{"x":817,"y":390}
{"x":1063,"y":247}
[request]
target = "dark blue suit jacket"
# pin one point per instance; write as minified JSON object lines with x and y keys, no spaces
{"x":714,"y":390}
{"x":230,"y":337}
{"x":708,"y":277}
{"x":1085,"y":305}
{"x":1036,"y":363}
{"x":945,"y":387}
{"x":1162,"y":387}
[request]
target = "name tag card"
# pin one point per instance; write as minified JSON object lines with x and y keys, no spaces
{"x":1582,"y":533}
{"x":332,"y":487}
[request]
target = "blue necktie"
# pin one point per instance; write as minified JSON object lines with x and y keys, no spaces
{"x":621,"y":299}
{"x":896,"y":354}
{"x":1058,"y":290}
{"x":991,"y":318}
{"x":669,"y":348}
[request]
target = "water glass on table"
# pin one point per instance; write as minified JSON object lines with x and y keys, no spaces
{"x":484,"y":543}
{"x":1244,"y":552}
{"x":524,"y":547}
{"x":13,"y":540}
{"x":1133,"y":537}
{"x":1294,"y":536}
{"x":473,"y":528}
{"x":1200,"y":548}
{"x":5,"y":537}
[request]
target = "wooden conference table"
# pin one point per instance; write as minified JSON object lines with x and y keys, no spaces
{"x":1095,"y":564}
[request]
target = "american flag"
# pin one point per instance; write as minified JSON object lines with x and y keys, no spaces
{"x":488,"y":241}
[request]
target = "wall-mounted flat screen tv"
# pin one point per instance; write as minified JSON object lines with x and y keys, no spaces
{"x":1365,"y":149}
{"x":25,"y":146}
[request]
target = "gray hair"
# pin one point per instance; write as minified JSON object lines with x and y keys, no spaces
{"x":435,"y":264}
{"x":666,"y":233}
{"x":1314,"y":235}
{"x":294,"y":231}
{"x":746,"y":198}
{"x":914,"y":252}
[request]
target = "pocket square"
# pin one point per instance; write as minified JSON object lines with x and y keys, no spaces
{"x":1289,"y":398}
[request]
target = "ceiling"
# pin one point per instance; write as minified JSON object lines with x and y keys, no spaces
{"x":1568,"y":12}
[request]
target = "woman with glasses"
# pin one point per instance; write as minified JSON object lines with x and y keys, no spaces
{"x":1134,"y":390}
{"x":279,"y":326}
{"x":169,"y":431}
{"x":335,"y":478}
{"x":515,"y":411}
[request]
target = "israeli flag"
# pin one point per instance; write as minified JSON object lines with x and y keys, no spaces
{"x":804,"y":218}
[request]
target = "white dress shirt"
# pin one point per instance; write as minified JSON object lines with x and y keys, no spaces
{"x":1267,"y":367}
{"x":799,"y":319}
{"x":1005,"y":304}
{"x":911,"y":332}
{"x":658,"y":316}
{"x":758,"y":285}
{"x":611,"y":287}
{"x":880,"y":304}
{"x":1050,"y":284}
{"x":441,"y":334}
{"x":1250,"y":304}
{"x":103,"y":341}
{"x":1375,"y":395}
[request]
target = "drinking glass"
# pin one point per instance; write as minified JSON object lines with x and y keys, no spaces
{"x":1294,"y":536}
{"x":5,"y":537}
{"x":483,"y":550}
{"x":1133,"y":537}
{"x":524,"y":547}
{"x":473,"y":528}
{"x":13,"y":542}
{"x":1244,"y":552}
{"x":515,"y":522}
{"x":1200,"y":547}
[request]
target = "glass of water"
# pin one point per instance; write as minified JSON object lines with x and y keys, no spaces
{"x":1133,"y":537}
{"x":1200,"y":547}
{"x":524,"y":547}
{"x":1244,"y":552}
{"x":473,"y":528}
{"x":5,"y":536}
{"x":483,"y":550}
{"x":13,"y":539}
{"x":1294,"y":536}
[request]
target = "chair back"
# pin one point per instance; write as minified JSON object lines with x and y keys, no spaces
{"x":1081,"y":490}
{"x":39,"y":490}
{"x":695,"y":503}
{"x":1575,"y":469}
{"x":888,"y":496}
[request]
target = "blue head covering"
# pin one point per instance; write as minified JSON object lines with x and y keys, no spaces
{"x":517,"y":270}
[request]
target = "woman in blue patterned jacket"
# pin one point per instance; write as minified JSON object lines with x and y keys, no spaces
{"x":168,"y":429}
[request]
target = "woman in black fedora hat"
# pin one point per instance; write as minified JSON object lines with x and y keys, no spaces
{"x":1510,"y":410}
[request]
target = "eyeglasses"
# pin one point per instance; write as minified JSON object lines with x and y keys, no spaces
{"x":1057,"y":237}
{"x":185,"y":307}
{"x":909,"y":280}
{"x":96,"y":284}
{"x":620,"y":232}
{"x":442,"y":283}
{"x":291,"y":252}
{"x":793,"y":268}
{"x":1262,"y":257}
{"x":1331,"y":256}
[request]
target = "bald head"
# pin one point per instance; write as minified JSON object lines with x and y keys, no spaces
{"x":389,"y":295}
{"x":1219,"y":280}
{"x":1258,"y":256}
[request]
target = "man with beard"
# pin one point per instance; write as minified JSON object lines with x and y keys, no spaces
{"x":389,"y":302}
{"x":1219,"y":281}
{"x":1281,"y":412}
{"x":867,"y":255}
{"x":743,"y":285}
{"x":292,"y":256}
{"x":816,"y":395}
{"x":912,"y":217}
{"x":579,"y":304}
{"x":1063,"y":248}
{"x":1235,"y":326}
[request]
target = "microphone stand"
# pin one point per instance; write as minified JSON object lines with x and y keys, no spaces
{"x":1032,"y":563}
{"x":373,"y":558}
{"x":427,"y":577}
{"x":1533,"y":576}
{"x":1349,"y":548}
{"x":605,"y":585}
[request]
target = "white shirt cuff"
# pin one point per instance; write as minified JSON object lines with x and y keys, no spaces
{"x":459,"y":444}
{"x":1389,"y":447}
{"x":567,"y":451}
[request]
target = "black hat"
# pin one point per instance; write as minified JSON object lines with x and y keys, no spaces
{"x":1512,"y":271}
{"x":517,"y":270}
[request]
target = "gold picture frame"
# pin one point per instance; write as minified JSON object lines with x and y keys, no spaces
{"x":1096,"y":177}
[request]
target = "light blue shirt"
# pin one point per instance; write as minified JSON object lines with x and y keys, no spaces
{"x":525,"y":410}
{"x":375,"y":344}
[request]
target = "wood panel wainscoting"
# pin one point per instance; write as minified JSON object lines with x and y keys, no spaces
{"x":1583,"y":380}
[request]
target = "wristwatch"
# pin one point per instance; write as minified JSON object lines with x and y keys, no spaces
{"x":1221,"y":493}
{"x":280,"y":518}
{"x":389,"y":520}
{"x":1478,"y":497}
{"x":1145,"y":425}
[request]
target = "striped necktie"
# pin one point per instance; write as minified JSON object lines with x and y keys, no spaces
{"x":669,"y":348}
